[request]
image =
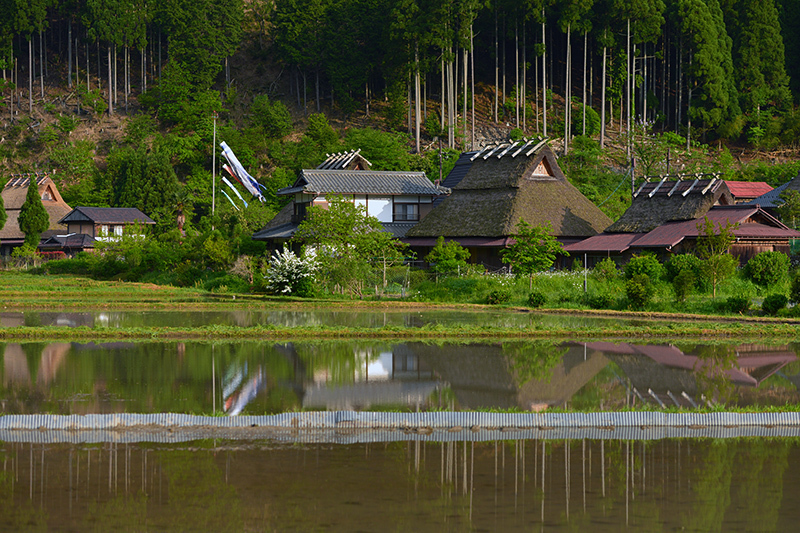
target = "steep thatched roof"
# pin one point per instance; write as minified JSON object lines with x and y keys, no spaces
{"x":14,"y":194}
{"x":497,"y":192}
{"x":659,"y":202}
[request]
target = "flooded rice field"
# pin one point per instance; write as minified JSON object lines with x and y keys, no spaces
{"x":509,"y":485}
{"x":305,"y":318}
{"x":252,"y":377}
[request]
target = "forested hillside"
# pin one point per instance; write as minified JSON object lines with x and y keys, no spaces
{"x":122,"y":98}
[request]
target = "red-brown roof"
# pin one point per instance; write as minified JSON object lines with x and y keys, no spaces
{"x":605,"y":242}
{"x":748,"y":189}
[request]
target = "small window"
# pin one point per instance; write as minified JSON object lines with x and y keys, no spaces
{"x":406,"y":212}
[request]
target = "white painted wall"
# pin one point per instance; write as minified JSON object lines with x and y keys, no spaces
{"x":380,"y":207}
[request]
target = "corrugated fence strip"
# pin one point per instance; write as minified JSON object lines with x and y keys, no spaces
{"x":352,"y":427}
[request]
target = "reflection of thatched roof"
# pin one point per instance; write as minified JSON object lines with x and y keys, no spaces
{"x":496,"y":193}
{"x":658,"y":202}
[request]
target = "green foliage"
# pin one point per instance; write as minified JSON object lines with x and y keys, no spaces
{"x":684,"y":283}
{"x":647,"y":264}
{"x":682,"y":263}
{"x":599,"y":300}
{"x":289,"y":274}
{"x":713,"y":243}
{"x":737,"y":304}
{"x":447,"y":257}
{"x":794,"y":291}
{"x":3,"y":214}
{"x":386,"y":151}
{"x":605,"y":270}
{"x":516,"y":134}
{"x":639,"y":290}
{"x":536,"y":299}
{"x":33,"y":218}
{"x":272,"y":117}
{"x":534,"y":250}
{"x":499,"y":296}
{"x":533,"y":360}
{"x":774,"y":303}
{"x":321,"y":133}
{"x":217,"y":251}
{"x":767,"y":268}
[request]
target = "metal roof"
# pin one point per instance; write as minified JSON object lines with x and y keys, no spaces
{"x":748,"y":189}
{"x":605,"y":242}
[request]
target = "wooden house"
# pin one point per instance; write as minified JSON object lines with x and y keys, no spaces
{"x":14,"y":193}
{"x":399,"y":200}
{"x":104,"y":223}
{"x":493,"y":190}
{"x":663,"y":219}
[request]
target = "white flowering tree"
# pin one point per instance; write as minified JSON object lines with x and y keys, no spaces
{"x":289,"y":274}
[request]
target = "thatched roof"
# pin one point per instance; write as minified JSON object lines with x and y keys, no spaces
{"x":14,"y":194}
{"x":659,"y":202}
{"x":497,"y":192}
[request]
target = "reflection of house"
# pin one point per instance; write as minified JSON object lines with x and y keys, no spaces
{"x":664,"y":373}
{"x":496,"y":187}
{"x":483,"y":375}
{"x":399,"y":200}
{"x":14,"y":194}
{"x":663,"y":219}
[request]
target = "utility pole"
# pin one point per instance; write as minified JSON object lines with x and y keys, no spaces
{"x":214,"y":171}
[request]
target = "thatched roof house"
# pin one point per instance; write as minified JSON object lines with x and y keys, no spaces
{"x":658,"y":202}
{"x":663,"y":219}
{"x":14,"y":194}
{"x":500,"y":186}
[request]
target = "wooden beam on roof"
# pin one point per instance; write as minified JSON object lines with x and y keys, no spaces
{"x":636,"y":194}
{"x":480,"y":152}
{"x":655,"y":189}
{"x":504,"y":152}
{"x":692,"y":186}
{"x":674,"y":187}
{"x":498,"y":147}
{"x":536,"y":148}
{"x":521,"y":148}
{"x":710,"y":183}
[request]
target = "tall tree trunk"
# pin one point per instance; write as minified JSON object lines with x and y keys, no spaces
{"x":116,"y":76}
{"x":628,"y":89}
{"x":127,"y":76}
{"x":110,"y":85}
{"x":465,"y":54}
{"x":524,"y":78}
{"x":504,"y":65}
{"x":30,"y":74}
{"x":443,"y":96}
{"x":41,"y":63}
{"x":679,"y":85}
{"x":603,"y":100}
{"x":516,"y":74}
{"x":544,"y":78}
{"x":567,"y":89}
{"x":69,"y":55}
{"x":496,"y":67}
{"x":472,"y":91}
{"x":417,"y":95}
{"x":583,"y":94}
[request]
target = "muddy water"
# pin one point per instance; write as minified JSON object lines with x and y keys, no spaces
{"x":588,"y":485}
{"x":266,"y":378}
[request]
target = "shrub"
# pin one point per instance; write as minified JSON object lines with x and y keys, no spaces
{"x":683,"y":284}
{"x":646,"y":264}
{"x":794,"y":292}
{"x":639,"y":290}
{"x":682,"y":263}
{"x":767,"y":268}
{"x":737,"y":304}
{"x":599,"y":301}
{"x":499,"y":296}
{"x":774,"y":303}
{"x":536,"y":299}
{"x":288,"y":274}
{"x":447,"y":258}
{"x":605,"y":270}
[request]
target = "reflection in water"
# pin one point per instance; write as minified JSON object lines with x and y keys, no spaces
{"x":608,"y":485}
{"x":266,"y":378}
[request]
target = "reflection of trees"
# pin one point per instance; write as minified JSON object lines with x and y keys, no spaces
{"x":16,"y":514}
{"x":758,"y":483}
{"x":533,"y":360}
{"x":713,"y":361}
{"x":711,"y":486}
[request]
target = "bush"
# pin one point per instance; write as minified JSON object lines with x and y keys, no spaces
{"x":536,"y":299}
{"x":767,"y":268}
{"x":599,"y":301}
{"x":639,"y":290}
{"x":682,"y":263}
{"x":499,"y":296}
{"x":683,"y":284}
{"x":794,"y":292}
{"x":737,"y":304}
{"x":447,"y":258}
{"x":646,"y":264}
{"x":774,"y":303}
{"x":289,"y":274}
{"x":272,"y":117}
{"x":605,"y":270}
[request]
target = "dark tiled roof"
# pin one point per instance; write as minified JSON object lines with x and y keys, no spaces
{"x":107,"y":215}
{"x":658,"y":202}
{"x":771,"y":199}
{"x":496,"y":193}
{"x":72,"y":241}
{"x":364,"y":182}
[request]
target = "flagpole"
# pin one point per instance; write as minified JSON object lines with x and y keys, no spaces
{"x":214,"y":171}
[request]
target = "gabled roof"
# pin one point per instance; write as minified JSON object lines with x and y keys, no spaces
{"x":771,"y":199}
{"x":72,"y":241}
{"x":507,"y":183}
{"x":658,"y":202}
{"x":363,"y":182}
{"x":107,"y":215}
{"x":748,"y":189}
{"x":14,"y":193}
{"x":604,"y":242}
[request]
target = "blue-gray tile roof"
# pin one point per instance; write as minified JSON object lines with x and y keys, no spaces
{"x":364,"y":182}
